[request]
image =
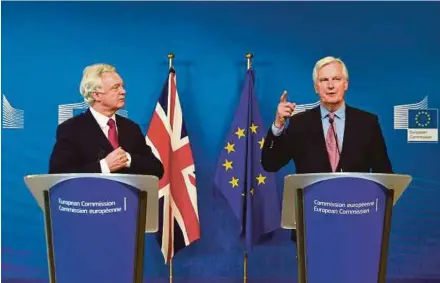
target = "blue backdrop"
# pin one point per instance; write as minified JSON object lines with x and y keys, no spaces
{"x":391,"y":50}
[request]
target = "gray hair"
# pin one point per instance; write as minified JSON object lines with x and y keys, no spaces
{"x":325,"y":61}
{"x":91,"y":80}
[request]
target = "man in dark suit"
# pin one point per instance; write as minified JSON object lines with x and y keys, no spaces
{"x":333,"y":137}
{"x":100,"y":141}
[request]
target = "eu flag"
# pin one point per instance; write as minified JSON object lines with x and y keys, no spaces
{"x":422,"y":118}
{"x":250,"y":191}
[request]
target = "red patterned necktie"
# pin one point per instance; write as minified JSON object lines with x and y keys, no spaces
{"x":331,"y":144}
{"x":112,"y":133}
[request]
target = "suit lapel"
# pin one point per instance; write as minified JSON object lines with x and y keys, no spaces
{"x":349,"y":134}
{"x":96,"y":133}
{"x":319,"y":135}
{"x":122,"y":136}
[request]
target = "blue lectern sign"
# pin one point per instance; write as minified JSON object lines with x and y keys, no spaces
{"x":94,"y":230}
{"x":343,"y":230}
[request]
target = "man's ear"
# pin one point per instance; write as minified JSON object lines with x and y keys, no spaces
{"x":96,"y":96}
{"x":345,"y":85}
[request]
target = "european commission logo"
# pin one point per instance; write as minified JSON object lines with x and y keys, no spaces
{"x":67,"y":111}
{"x":12,"y":118}
{"x":420,"y":121}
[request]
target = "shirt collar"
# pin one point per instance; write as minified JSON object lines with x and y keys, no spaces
{"x":340,"y":113}
{"x":100,"y":118}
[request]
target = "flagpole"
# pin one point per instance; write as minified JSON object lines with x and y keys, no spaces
{"x":245,"y":268}
{"x":245,"y":259}
{"x":170,"y":62}
{"x":171,"y":270}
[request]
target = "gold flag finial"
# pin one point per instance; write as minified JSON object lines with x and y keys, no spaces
{"x":249,"y":57}
{"x":170,"y":59}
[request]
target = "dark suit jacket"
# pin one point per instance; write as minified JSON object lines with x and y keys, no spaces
{"x":81,"y":144}
{"x":363,"y":147}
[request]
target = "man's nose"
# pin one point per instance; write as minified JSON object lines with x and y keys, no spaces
{"x":330,"y":84}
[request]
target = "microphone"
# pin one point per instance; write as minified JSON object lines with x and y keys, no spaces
{"x":331,"y":120}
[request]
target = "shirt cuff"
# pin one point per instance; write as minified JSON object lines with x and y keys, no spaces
{"x":277,"y":131}
{"x":104,"y":166}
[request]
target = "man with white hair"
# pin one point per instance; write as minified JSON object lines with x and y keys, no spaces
{"x":98,"y":140}
{"x":332,"y":137}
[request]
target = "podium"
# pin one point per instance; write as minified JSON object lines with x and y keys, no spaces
{"x":95,"y":224}
{"x":342,"y":223}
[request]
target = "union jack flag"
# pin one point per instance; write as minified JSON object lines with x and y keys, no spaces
{"x":179,"y":224}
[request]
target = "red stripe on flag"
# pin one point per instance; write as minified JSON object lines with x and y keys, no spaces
{"x":158,"y":135}
{"x":192,"y":180}
{"x":182,"y":159}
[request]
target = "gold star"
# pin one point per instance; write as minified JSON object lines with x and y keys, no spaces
{"x":261,"y":143}
{"x":227,"y":164}
{"x":261,"y":179}
{"x":252,"y":191}
{"x":230,"y":147}
{"x":240,"y":132}
{"x":253,"y":128}
{"x":234,"y":182}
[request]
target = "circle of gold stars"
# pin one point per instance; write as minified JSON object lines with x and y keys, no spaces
{"x":418,"y":119}
{"x":230,"y":148}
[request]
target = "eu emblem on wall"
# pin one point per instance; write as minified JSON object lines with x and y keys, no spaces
{"x":423,"y":125}
{"x":420,"y":122}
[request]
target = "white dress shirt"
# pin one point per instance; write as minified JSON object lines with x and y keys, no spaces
{"x":102,"y":121}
